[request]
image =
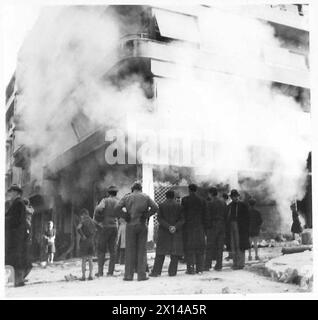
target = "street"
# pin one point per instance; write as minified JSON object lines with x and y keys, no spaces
{"x":51,"y":281}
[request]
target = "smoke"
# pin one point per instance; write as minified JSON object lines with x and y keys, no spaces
{"x":222,"y":123}
{"x":61,"y":80}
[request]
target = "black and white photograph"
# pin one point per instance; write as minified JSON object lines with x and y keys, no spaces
{"x":157,"y":150}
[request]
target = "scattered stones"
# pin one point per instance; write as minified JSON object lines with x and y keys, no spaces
{"x":295,"y":268}
{"x":226,"y":290}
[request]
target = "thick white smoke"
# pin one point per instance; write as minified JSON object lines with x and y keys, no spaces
{"x":251,"y":127}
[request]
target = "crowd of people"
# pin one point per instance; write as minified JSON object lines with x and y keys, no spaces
{"x":192,"y":229}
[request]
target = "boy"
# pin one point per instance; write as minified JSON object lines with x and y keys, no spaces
{"x":49,"y":237}
{"x":87,"y":230}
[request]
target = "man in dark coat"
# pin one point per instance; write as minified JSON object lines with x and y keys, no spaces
{"x":194,"y":208}
{"x":170,"y":238}
{"x":255,"y":228}
{"x":238,"y":225}
{"x":16,"y":230}
{"x":139,"y":207}
{"x":215,"y":230}
{"x":106,"y":217}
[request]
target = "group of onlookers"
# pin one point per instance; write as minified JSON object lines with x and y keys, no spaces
{"x":194,"y":229}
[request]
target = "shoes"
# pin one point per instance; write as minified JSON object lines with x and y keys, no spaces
{"x":190,"y":272}
{"x":98,"y":275}
{"x":143,"y":279}
{"x":257,"y":258}
{"x":109,"y":274}
{"x":90,"y":278}
{"x":250,"y":258}
{"x":199,"y":272}
{"x":127,"y":279}
{"x":20,"y":284}
{"x":153,"y":275}
{"x":83,"y":278}
{"x":217,"y":268}
{"x":237,"y":268}
{"x":172,"y":275}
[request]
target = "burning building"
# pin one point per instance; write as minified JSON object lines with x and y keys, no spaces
{"x":109,"y":94}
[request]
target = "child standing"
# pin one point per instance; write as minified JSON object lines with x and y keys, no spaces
{"x":87,"y":230}
{"x":49,"y":237}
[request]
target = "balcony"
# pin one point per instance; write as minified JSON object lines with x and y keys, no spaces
{"x":294,"y":16}
{"x":271,"y":64}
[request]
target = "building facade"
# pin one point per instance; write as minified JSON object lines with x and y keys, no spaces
{"x":151,"y":38}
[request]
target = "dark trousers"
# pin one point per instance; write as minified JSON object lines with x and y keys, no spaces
{"x":120,"y":255}
{"x":195,"y":259}
{"x":106,"y":241}
{"x":214,"y":248}
{"x":173,"y":265}
{"x":136,"y":251}
{"x":238,"y":254}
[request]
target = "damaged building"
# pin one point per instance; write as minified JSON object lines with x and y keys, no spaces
{"x":151,"y":47}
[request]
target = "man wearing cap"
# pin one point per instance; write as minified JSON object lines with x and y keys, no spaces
{"x":106,"y":217}
{"x":17,"y":236}
{"x":215,"y":230}
{"x":194,"y":209}
{"x":238,"y":225}
{"x":138,"y":208}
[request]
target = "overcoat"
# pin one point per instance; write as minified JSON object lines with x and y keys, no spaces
{"x":170,"y":214}
{"x":194,"y":209}
{"x":243,"y":225}
{"x":16,"y":236}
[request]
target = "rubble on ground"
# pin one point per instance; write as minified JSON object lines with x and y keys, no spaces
{"x":295,"y":268}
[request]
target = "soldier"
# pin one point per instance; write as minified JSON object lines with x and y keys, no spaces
{"x":106,"y":217}
{"x":194,"y":209}
{"x":138,"y":208}
{"x":170,"y":238}
{"x":238,"y":225}
{"x":216,"y":217}
{"x":17,"y":236}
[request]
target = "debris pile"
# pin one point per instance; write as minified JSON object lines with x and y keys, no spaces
{"x":292,"y":268}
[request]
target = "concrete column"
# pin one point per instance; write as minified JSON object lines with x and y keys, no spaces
{"x":148,"y":188}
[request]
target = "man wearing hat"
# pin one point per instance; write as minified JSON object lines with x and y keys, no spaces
{"x":138,"y":208}
{"x":238,"y":226}
{"x":106,"y":218}
{"x":17,"y":236}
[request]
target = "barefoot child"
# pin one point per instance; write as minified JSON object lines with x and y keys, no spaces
{"x":49,"y":237}
{"x":87,"y":230}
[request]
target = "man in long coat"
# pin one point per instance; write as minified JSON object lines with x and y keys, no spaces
{"x":194,"y":208}
{"x":138,"y":209}
{"x":170,"y":238}
{"x":215,"y":230}
{"x":238,"y":226}
{"x":106,"y":216}
{"x":16,"y":230}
